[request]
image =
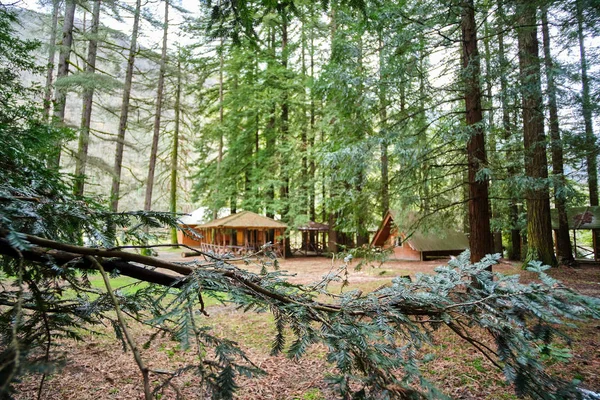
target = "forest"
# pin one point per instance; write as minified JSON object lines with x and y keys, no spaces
{"x":118,"y":117}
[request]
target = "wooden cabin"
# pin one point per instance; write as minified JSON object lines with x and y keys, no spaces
{"x":581,"y":218}
{"x":314,"y":238}
{"x":241,"y":233}
{"x":418,"y":246}
{"x":187,"y":234}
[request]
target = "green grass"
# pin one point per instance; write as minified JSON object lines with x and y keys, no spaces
{"x":124,"y":284}
{"x":311,"y":394}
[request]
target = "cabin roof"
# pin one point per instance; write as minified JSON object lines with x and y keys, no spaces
{"x":579,"y":217}
{"x":314,"y":226}
{"x":244,"y":219}
{"x":438,"y":241}
{"x":196,"y":217}
{"x":443,"y":239}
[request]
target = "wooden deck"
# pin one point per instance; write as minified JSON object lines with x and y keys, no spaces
{"x":236,"y":251}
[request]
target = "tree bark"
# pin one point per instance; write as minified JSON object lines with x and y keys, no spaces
{"x":497,"y":247}
{"x":515,"y":232}
{"x":51,"y":56}
{"x":480,"y":238}
{"x":591,"y":144}
{"x":157,"y":113}
{"x":285,"y":111}
{"x":175,"y":150}
{"x":385,"y":188}
{"x":563,"y":241}
{"x":539,"y":228}
{"x":221,"y":49}
{"x":313,"y":132}
{"x":60,"y":94}
{"x":116,"y":181}
{"x":270,"y":135}
{"x":590,"y":139}
{"x":304,"y":184}
{"x":86,"y":112}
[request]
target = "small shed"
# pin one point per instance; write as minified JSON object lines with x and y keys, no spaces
{"x":418,"y":245}
{"x":581,"y":218}
{"x":240,"y":233}
{"x":314,"y":238}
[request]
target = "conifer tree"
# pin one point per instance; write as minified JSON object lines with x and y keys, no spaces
{"x":539,"y":229}
{"x":60,"y":93}
{"x":564,"y":252}
{"x":118,"y":164}
{"x":480,"y":240}
{"x":51,"y":57}
{"x":157,"y":112}
{"x":88,"y":97}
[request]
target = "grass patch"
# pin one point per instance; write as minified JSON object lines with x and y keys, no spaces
{"x":124,"y":284}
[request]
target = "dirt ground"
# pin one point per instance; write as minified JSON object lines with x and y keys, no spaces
{"x":97,"y":368}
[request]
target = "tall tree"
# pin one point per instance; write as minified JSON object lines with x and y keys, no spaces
{"x":175,"y":149}
{"x":116,"y":179}
{"x":51,"y":57}
{"x":563,"y":242}
{"x":586,"y":103}
{"x":383,"y":106}
{"x":60,"y":94}
{"x":507,"y":133}
{"x":539,"y":227}
{"x":88,"y":97}
{"x":157,"y":112}
{"x":221,"y":52}
{"x":285,"y":12}
{"x":591,"y":142}
{"x":480,"y":239}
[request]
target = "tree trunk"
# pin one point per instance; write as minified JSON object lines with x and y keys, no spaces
{"x":304,"y":184}
{"x":88,"y":97}
{"x":285,"y":188}
{"x":385,"y":190}
{"x":157,"y":113}
{"x":591,"y":145}
{"x":313,"y":132}
{"x":116,"y":181}
{"x":60,"y":94}
{"x":221,"y":49}
{"x":515,"y":232}
{"x":362,"y":234}
{"x":175,"y":150}
{"x":51,"y":55}
{"x":590,"y":139}
{"x":270,"y":138}
{"x":563,"y":241}
{"x":497,"y":247}
{"x":539,"y":228}
{"x":480,"y":239}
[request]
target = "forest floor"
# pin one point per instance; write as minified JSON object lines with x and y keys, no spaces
{"x":97,"y":367}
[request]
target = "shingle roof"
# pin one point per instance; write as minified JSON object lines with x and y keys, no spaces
{"x":579,"y":217}
{"x":244,"y":219}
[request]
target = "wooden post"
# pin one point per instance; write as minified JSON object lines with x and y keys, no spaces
{"x":595,"y":244}
{"x":305,"y":243}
